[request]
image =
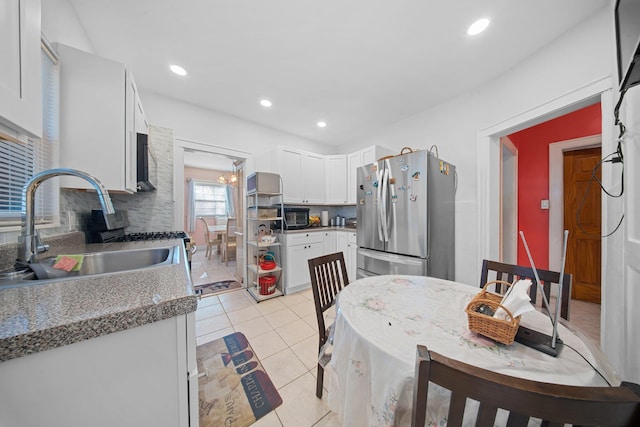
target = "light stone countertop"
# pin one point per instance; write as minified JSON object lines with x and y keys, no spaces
{"x":44,"y":316}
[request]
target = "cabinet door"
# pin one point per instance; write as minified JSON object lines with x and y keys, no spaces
{"x":315,"y":183}
{"x":342,"y":243}
{"x":354,"y":161}
{"x":330,"y":242}
{"x":95,"y":128}
{"x":291,"y":172}
{"x":130,"y":138}
{"x":297,"y":267}
{"x":336,"y":172}
{"x":351,"y":256}
{"x":20,"y":73}
{"x":369,"y":155}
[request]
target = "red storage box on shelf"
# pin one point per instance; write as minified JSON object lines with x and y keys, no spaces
{"x":267,"y":285}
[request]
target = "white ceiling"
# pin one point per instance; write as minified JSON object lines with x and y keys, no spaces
{"x":359,"y":65}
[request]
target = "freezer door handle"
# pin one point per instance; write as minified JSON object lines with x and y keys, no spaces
{"x":385,"y":256}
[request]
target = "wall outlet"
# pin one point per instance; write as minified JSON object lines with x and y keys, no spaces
{"x":544,"y":204}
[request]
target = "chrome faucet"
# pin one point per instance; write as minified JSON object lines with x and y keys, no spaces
{"x":29,"y":244}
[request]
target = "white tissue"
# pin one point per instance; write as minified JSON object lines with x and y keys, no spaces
{"x":516,"y":300}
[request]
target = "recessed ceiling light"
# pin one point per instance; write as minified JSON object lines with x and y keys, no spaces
{"x":322,"y":124}
{"x":477,"y":27}
{"x":265,"y":103}
{"x":178,"y":70}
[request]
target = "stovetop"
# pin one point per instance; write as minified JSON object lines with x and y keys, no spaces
{"x":152,"y":235}
{"x":119,"y":235}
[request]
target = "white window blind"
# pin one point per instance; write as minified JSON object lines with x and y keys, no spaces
{"x":19,"y":161}
{"x":210,"y":199}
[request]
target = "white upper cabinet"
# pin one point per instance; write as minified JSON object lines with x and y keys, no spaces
{"x":316,"y":179}
{"x":361,"y":158}
{"x":303,"y":176}
{"x":20,"y":72}
{"x":100,"y":114}
{"x":336,"y":166}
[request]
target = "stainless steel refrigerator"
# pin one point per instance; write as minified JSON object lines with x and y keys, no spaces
{"x":406,"y":216}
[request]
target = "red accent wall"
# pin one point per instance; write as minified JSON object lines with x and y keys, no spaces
{"x":533,"y":175}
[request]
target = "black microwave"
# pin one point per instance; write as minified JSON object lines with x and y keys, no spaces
{"x":294,"y":218}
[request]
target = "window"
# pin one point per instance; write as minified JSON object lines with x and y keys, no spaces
{"x":20,"y":160}
{"x":209,"y":199}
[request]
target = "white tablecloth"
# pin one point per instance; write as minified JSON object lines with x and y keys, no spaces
{"x":381,"y":319}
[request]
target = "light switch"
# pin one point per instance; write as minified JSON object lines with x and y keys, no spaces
{"x":544,"y":204}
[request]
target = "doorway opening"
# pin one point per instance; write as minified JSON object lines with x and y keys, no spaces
{"x":491,"y":236}
{"x":220,"y":170}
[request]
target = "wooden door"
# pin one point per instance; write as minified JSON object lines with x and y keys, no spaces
{"x":582,"y":217}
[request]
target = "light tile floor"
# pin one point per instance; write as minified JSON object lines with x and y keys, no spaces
{"x":283,"y":333}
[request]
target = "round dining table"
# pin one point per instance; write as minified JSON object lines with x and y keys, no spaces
{"x":381,"y":319}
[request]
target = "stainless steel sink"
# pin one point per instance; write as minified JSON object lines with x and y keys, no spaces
{"x":106,"y":262}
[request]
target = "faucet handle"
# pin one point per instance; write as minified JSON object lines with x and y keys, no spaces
{"x":40,"y":248}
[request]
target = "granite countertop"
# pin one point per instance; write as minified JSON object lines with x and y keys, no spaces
{"x":44,"y":316}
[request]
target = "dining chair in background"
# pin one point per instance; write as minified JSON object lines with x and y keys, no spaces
{"x":229,"y":241}
{"x":328,"y":277}
{"x":510,"y":273}
{"x":555,"y":404}
{"x":207,"y":238}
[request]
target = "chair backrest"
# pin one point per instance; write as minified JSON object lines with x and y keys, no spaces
{"x":523,"y":399}
{"x":205,"y":227}
{"x":231,"y":229}
{"x":328,"y":277}
{"x":510,"y":273}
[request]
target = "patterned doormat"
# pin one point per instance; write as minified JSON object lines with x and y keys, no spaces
{"x":215,"y":287}
{"x":233,"y":388}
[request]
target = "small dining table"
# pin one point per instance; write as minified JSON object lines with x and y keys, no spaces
{"x":219,"y":230}
{"x":381,"y":319}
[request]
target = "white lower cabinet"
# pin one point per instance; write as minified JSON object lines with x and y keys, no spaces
{"x":329,"y":242}
{"x":352,"y":255}
{"x":300,"y":247}
{"x":347,"y":245}
{"x":136,"y":377}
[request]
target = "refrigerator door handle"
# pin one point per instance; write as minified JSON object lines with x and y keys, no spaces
{"x":383,"y":206}
{"x":380,"y":204}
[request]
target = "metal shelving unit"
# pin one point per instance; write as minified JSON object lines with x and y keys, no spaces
{"x":262,"y":211}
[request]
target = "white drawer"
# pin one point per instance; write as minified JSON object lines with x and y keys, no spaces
{"x":304,"y":238}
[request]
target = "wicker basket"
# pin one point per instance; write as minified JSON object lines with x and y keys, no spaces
{"x":501,"y":330}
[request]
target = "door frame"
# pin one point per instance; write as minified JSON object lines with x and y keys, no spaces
{"x":556,"y":192}
{"x":508,"y":212}
{"x":179,"y":147}
{"x":488,"y":155}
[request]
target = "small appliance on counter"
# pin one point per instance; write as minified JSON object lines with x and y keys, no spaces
{"x":294,"y":218}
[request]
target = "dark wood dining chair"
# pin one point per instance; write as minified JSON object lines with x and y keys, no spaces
{"x":328,"y":277}
{"x":510,"y":273}
{"x":523,"y":399}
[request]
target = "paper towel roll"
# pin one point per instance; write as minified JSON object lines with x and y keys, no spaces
{"x":324,"y":218}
